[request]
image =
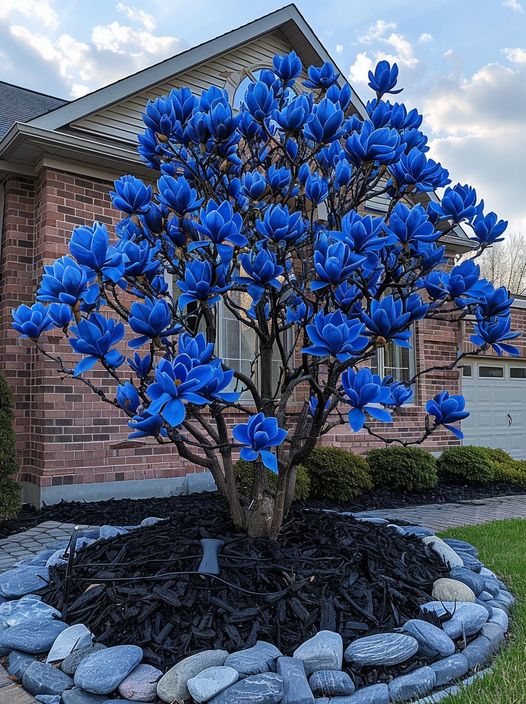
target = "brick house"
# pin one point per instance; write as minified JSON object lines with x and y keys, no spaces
{"x":57,"y":163}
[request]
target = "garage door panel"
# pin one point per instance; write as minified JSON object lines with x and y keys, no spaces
{"x":491,"y":401}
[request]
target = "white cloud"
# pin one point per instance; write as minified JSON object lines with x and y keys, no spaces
{"x":41,"y":11}
{"x":137,"y":15}
{"x":425,"y":37}
{"x":122,"y":39}
{"x":360,"y":68}
{"x":516,"y":56}
{"x":339,"y":48}
{"x":514,"y":5}
{"x":385,"y":43}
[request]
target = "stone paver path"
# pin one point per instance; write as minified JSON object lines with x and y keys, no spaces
{"x":464,"y":513}
{"x":32,"y":541}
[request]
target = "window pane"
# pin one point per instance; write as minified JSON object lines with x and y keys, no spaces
{"x":397,"y":362}
{"x":467,"y":370}
{"x":517,"y":372}
{"x":491,"y":372}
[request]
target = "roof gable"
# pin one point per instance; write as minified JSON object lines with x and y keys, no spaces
{"x":286,"y":27}
{"x":21,"y":104}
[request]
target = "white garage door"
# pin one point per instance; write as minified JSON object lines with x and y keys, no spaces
{"x":495,"y":393}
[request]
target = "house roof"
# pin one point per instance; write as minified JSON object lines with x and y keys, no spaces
{"x":288,"y":20}
{"x":21,"y":104}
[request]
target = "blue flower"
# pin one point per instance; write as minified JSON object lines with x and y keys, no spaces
{"x":215,"y":388}
{"x":212,"y":95}
{"x":333,"y":261}
{"x":389,"y":321}
{"x":496,"y":303}
{"x":177,"y":382}
{"x":64,"y":281}
{"x":260,"y":100}
{"x":316,"y":188}
{"x":333,"y":334}
{"x":342,"y":173}
{"x":32,"y":321}
{"x":370,"y":144}
{"x":197,"y":348}
{"x":220,"y":224}
{"x":494,"y":332}
{"x":295,"y":114}
{"x":363,"y":234}
{"x":384,"y":78}
{"x":287,"y":67}
{"x":363,"y":388}
{"x":487,"y":229}
{"x":159,"y":116}
{"x":177,"y":194}
{"x":342,"y":96}
{"x":280,"y":225}
{"x":221,"y":122}
{"x":324,"y":125}
{"x":411,"y":225}
{"x":150,"y":319}
{"x":201,"y":283}
{"x":447,"y":409}
{"x":258,"y":436}
{"x":253,"y":185}
{"x":95,"y":338}
{"x":321,"y":78}
{"x":61,"y":314}
{"x":465,"y":285}
{"x":140,"y":365}
{"x":131,"y":195}
{"x":146,"y":424}
{"x":400,"y":393}
{"x":128,"y":398}
{"x":91,"y":248}
{"x":261,"y":269}
{"x":297,"y":312}
{"x":457,"y":204}
{"x":415,"y":170}
{"x":279,"y":178}
{"x":139,"y":258}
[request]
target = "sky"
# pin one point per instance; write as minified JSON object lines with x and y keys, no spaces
{"x":462,"y":63}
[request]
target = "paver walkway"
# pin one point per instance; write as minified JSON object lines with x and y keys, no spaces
{"x":464,"y":513}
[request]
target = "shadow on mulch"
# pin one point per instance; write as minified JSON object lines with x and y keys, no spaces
{"x":132,"y":511}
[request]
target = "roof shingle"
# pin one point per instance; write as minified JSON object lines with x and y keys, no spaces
{"x":19,"y":104}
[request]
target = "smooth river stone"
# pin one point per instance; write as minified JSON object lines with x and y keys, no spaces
{"x":331,"y":683}
{"x":141,"y":684}
{"x":479,"y":652}
{"x":432,"y":641}
{"x":494,"y":633}
{"x":491,"y":586}
{"x":102,"y":672}
{"x":467,"y":618}
{"x":375,"y":694}
{"x":471,"y":562}
{"x":473,"y":580}
{"x":79,"y":696}
{"x":446,"y":589}
{"x":32,"y":638}
{"x":210,"y":682}
{"x":23,"y":580}
{"x":501,"y":618}
{"x":107,"y":532}
{"x":151,"y":521}
{"x":173,"y":684}
{"x":324,"y":651}
{"x":265,"y":688}
{"x":415,"y":684}
{"x":296,"y":688}
{"x":70,"y":664}
{"x":25,"y":610}
{"x":18,"y":662}
{"x":77,"y":636}
{"x":446,"y":553}
{"x":461,"y":545}
{"x":417,"y":531}
{"x":261,"y":657}
{"x":451,"y":668}
{"x":381,"y":649}
{"x":42,"y":678}
{"x":48,"y":698}
{"x":506,"y":597}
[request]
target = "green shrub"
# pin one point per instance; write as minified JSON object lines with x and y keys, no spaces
{"x":337,"y":475}
{"x":403,"y":468}
{"x":244,"y":473}
{"x":505,"y":468}
{"x":9,"y":489}
{"x":466,"y":465}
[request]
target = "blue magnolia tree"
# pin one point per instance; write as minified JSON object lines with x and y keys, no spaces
{"x":260,"y":211}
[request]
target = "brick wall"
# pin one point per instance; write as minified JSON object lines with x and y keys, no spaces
{"x":65,"y":434}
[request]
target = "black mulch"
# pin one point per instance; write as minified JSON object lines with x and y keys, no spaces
{"x":326,"y":572}
{"x":131,"y":512}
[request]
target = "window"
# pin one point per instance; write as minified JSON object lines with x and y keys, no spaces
{"x":395,"y":361}
{"x":491,"y":372}
{"x":517,"y":372}
{"x":467,"y":370}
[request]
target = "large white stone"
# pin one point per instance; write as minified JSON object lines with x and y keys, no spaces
{"x":173,"y":684}
{"x":446,"y":589}
{"x":210,"y":682}
{"x":74,"y":637}
{"x":324,"y":651}
{"x":446,"y":553}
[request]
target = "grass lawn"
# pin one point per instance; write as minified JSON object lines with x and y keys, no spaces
{"x":502,"y":548}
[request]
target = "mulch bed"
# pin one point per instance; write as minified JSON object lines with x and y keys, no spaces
{"x":325,"y":572}
{"x":132,"y":511}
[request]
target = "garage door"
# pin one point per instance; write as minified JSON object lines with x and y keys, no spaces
{"x":495,"y":395}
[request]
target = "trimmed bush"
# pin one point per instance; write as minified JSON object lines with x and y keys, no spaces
{"x":244,"y":472}
{"x":466,"y":465}
{"x":403,"y":468}
{"x":9,"y":489}
{"x":337,"y":475}
{"x":505,"y":468}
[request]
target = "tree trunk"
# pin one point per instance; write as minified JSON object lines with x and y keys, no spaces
{"x":259,"y":516}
